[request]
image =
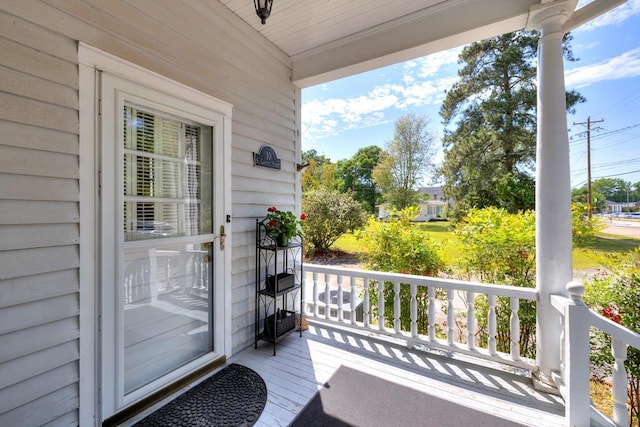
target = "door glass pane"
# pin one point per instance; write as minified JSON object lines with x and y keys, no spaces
{"x":166,"y":285}
{"x":166,"y":310}
{"x":167,"y":187}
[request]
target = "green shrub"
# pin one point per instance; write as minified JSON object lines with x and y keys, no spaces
{"x":617,"y":296}
{"x":399,"y":246}
{"x":330,"y":214}
{"x":500,"y":249}
{"x":583,"y":227}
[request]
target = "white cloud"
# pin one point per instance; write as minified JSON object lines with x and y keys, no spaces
{"x":623,"y":66}
{"x":422,"y":82}
{"x":328,"y":117}
{"x":430,"y":65}
{"x":323,"y":118}
{"x":613,"y":17}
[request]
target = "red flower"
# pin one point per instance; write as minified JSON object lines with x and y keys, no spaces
{"x":612,"y":313}
{"x":273,"y":224}
{"x":272,"y":209}
{"x":303,"y":216}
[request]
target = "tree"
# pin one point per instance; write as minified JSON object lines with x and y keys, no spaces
{"x":408,"y":157}
{"x":635,"y":195}
{"x":319,"y":173}
{"x":329,"y":214}
{"x":614,"y":189}
{"x":581,"y":195}
{"x":355,"y":174}
{"x":493,"y":106}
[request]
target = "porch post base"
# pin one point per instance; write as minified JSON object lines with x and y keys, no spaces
{"x":544,"y":384}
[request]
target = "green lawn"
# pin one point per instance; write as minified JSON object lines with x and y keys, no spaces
{"x":589,"y":256}
{"x":593,"y":252}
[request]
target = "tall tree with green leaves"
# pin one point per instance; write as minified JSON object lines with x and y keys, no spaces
{"x":406,"y":161}
{"x":490,"y":119}
{"x":581,"y":195}
{"x":355,"y":175}
{"x":614,"y":189}
{"x":319,"y":174}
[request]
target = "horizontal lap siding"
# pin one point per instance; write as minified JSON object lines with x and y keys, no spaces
{"x":196,"y":42}
{"x":39,"y":232}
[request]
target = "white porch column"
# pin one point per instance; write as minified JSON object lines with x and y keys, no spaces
{"x":553,"y":184}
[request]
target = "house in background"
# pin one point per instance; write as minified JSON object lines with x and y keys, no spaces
{"x":129,"y":192}
{"x":619,"y":207}
{"x":434,"y":207}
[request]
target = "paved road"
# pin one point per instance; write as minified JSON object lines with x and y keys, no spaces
{"x":623,"y":228}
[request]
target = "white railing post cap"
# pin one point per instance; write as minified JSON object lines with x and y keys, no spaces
{"x":575,"y":290}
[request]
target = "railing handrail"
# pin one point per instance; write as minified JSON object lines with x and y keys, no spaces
{"x":530,"y":294}
{"x":614,"y":329}
{"x":597,"y":320}
{"x":447,"y":335}
{"x":577,"y":319}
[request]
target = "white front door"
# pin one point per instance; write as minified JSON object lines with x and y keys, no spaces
{"x":161,"y":213}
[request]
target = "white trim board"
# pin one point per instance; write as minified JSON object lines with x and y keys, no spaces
{"x":91,"y":60}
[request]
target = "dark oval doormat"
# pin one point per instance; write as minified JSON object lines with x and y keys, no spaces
{"x":235,"y":396}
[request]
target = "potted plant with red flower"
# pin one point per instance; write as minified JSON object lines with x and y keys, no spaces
{"x":282,"y":225}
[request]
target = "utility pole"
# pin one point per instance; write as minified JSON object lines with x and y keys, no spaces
{"x":588,"y":132}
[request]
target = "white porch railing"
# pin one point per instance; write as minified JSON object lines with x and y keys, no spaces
{"x":344,"y":296}
{"x":573,"y":380}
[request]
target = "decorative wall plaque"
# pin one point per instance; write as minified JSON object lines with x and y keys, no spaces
{"x":267,"y":158}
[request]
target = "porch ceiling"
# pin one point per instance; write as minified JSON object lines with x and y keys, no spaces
{"x":330,"y":39}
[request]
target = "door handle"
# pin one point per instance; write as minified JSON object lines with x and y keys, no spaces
{"x":223,"y":237}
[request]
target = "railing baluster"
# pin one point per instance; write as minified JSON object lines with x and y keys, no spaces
{"x":352,"y":283}
{"x":471,"y":320}
{"x":492,"y":324}
{"x":340,"y":300}
{"x":314,"y":295}
{"x":432,"y":313}
{"x":451,"y":320}
{"x":327,"y":296}
{"x":414,"y":311}
{"x":381,"y":305}
{"x":405,"y":317}
{"x":397,"y":312}
{"x":619,"y":377}
{"x":365,"y":305}
{"x":514,"y":324}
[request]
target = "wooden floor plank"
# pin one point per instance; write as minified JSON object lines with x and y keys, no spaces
{"x":301,"y":366}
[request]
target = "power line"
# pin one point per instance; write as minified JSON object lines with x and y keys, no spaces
{"x":615,"y":104}
{"x":607,"y":176}
{"x":619,"y":174}
{"x":617,"y":143}
{"x":610,"y":164}
{"x":602,"y":135}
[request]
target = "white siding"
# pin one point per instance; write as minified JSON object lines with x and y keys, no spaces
{"x":196,"y":42}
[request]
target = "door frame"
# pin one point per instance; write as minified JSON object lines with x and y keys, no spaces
{"x":91,"y":60}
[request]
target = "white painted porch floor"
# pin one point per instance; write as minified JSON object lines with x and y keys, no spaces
{"x":302,"y":365}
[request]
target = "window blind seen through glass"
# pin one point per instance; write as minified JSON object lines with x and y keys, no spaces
{"x":167,"y":176}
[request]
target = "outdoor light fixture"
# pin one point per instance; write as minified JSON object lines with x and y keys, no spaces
{"x":263,"y":9}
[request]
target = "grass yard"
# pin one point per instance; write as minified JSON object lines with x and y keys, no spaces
{"x":589,"y":256}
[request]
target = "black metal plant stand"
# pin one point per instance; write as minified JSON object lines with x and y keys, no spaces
{"x":279,"y":275}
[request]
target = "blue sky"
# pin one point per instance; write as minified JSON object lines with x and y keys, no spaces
{"x":342,"y":116}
